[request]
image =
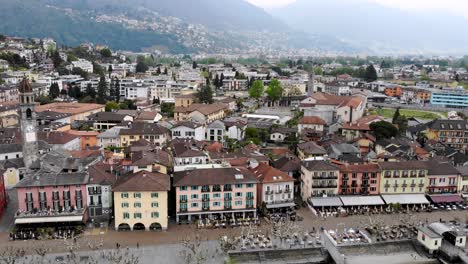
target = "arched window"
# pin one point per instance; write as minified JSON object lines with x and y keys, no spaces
{"x":28,"y":113}
{"x":27,"y":99}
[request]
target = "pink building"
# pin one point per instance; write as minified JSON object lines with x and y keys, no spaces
{"x":442,"y":177}
{"x":212,"y":193}
{"x":363,"y":179}
{"x":52,"y":198}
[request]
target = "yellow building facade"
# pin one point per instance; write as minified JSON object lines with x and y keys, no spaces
{"x":140,"y":210}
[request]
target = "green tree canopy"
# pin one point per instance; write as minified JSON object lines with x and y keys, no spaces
{"x":80,"y":72}
{"x":112,"y":105}
{"x":106,"y":53}
{"x":56,"y":59}
{"x":257,"y":90}
{"x":141,"y":64}
{"x":274,"y":90}
{"x":167,"y":109}
{"x":383,"y":129}
{"x":205,"y":95}
{"x":371,"y":74}
{"x":318,"y":71}
{"x":54,"y":90}
{"x":102,"y":90}
{"x":396,"y":115}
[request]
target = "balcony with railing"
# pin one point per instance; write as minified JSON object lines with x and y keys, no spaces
{"x":183,"y":210}
{"x":250,"y":197}
{"x":207,"y":208}
{"x":50,"y":215}
{"x":205,"y":189}
{"x":205,"y":199}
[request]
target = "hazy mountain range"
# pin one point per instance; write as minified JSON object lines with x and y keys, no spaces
{"x":184,"y":26}
{"x":379,"y":28}
{"x":176,"y":26}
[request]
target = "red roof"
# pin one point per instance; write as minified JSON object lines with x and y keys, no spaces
{"x":312,"y":120}
{"x":360,"y":168}
{"x":267,"y":174}
{"x":356,"y":126}
{"x":446,"y":198}
{"x":215,"y":147}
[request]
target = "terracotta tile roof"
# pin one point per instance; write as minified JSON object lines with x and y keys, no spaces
{"x":215,"y":147}
{"x":83,"y":133}
{"x":155,"y":156}
{"x":421,"y":152}
{"x":329,"y":99}
{"x":205,"y":109}
{"x":56,"y":137}
{"x":239,"y":162}
{"x":215,"y":176}
{"x":267,"y":174}
{"x":356,"y":126}
{"x":147,"y":115}
{"x":319,"y":165}
{"x":143,"y":181}
{"x":311,"y":147}
{"x":288,"y":163}
{"x":403,"y":165}
{"x":85,"y":153}
{"x":69,"y":108}
{"x":360,"y":168}
{"x":354,"y":102}
{"x":100,"y":173}
{"x":312,"y":120}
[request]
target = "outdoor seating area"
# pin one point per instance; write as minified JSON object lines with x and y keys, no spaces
{"x":284,"y":235}
{"x":225,"y":222}
{"x":395,"y":232}
{"x":348,"y":236}
{"x":448,"y":207}
{"x":39,"y":233}
{"x":342,"y":206}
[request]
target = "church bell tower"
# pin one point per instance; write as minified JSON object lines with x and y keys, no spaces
{"x":28,"y":123}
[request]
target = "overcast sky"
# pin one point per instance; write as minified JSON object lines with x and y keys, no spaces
{"x":459,"y":7}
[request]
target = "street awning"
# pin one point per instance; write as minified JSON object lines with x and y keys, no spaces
{"x":325,"y":201}
{"x":281,"y":205}
{"x":361,"y":200}
{"x":405,"y":199}
{"x":446,"y":198}
{"x":55,"y":219}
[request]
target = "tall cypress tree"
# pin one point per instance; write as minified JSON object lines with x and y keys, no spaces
{"x":117,"y":89}
{"x":371,"y":74}
{"x":102,"y":90}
